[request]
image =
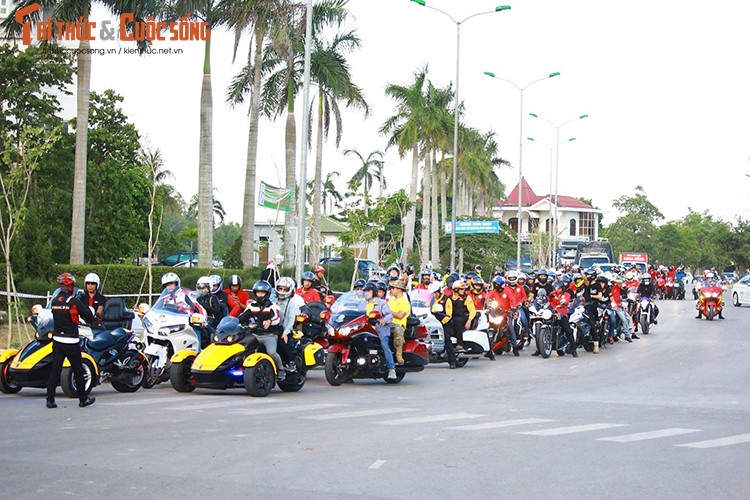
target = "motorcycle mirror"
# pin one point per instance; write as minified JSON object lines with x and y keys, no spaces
{"x":36,"y":309}
{"x":143,"y":309}
{"x":197,"y":320}
{"x":325,"y":315}
{"x":374,"y":315}
{"x":301,"y":318}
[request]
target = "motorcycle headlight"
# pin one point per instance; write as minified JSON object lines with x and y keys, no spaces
{"x":496,"y":320}
{"x":344,"y":332}
{"x":493,"y":304}
{"x":147,"y":324}
{"x":546,"y":314}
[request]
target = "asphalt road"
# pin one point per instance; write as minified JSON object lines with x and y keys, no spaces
{"x":667,"y":416}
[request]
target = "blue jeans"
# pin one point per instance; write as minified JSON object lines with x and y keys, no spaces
{"x":612,"y":322}
{"x":624,"y":320}
{"x":512,"y":331}
{"x":387,"y":354}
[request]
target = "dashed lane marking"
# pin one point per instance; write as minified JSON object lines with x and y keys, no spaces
{"x":430,"y":418}
{"x":557,"y":431}
{"x":642,"y":436}
{"x":363,"y":413}
{"x":716,"y":443}
{"x":499,"y":425}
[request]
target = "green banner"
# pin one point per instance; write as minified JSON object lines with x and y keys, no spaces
{"x":274,"y":197}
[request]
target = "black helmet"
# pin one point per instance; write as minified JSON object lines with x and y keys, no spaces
{"x":308,"y":276}
{"x":478,"y":283}
{"x":359,"y":283}
{"x":369,"y":286}
{"x":590,"y":272}
{"x":382,"y":285}
{"x":262,"y":286}
{"x":471,"y":275}
{"x":602,"y":278}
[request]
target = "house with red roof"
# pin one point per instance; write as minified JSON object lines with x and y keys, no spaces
{"x":576,"y":219}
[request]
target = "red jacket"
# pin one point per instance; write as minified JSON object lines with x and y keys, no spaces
{"x":560,"y":301}
{"x":516,"y":295}
{"x":309,"y":295}
{"x":479,"y":299}
{"x":237,"y":302}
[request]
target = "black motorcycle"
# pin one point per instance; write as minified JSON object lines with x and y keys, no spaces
{"x":547,"y":332}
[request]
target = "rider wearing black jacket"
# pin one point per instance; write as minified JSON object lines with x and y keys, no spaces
{"x":646,"y":288}
{"x":66,"y":310}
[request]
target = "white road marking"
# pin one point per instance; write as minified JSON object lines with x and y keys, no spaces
{"x":557,"y":431}
{"x":498,"y":425}
{"x":377,"y":464}
{"x":716,"y":443}
{"x":430,"y":418}
{"x":285,"y":409}
{"x":363,"y":413}
{"x":642,"y":436}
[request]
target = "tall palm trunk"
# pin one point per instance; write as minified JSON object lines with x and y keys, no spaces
{"x":78,"y":225}
{"x":291,"y":156}
{"x":205,"y":174}
{"x":426,"y":199}
{"x":434,"y":228}
{"x":315,"y":226}
{"x":247,"y":250}
{"x":411,"y":214}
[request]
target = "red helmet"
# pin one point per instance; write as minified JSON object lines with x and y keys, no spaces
{"x":319,"y":269}
{"x":66,"y":279}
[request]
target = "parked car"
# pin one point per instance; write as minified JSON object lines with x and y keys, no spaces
{"x":185,"y":259}
{"x":741,"y":292}
{"x":365,"y":268}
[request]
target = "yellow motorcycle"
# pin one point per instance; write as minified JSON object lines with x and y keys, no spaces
{"x":236,"y":358}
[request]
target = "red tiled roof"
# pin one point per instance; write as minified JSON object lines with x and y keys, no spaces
{"x":530,"y":198}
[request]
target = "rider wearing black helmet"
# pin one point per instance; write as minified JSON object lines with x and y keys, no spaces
{"x":307,"y":292}
{"x":358,"y":285}
{"x":266,"y":316}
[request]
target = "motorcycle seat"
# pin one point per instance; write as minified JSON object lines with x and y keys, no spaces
{"x":102,"y":342}
{"x":116,"y":315}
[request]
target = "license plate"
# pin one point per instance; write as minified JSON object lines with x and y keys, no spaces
{"x":373,"y":351}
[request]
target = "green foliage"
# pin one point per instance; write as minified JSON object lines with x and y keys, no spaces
{"x":233,"y":256}
{"x":488,"y":250}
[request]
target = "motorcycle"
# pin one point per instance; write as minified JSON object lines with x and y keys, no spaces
{"x":312,"y":325}
{"x":670,"y":289}
{"x":168,"y":330}
{"x":498,"y":330}
{"x":355,"y":350}
{"x":435,"y":340}
{"x":710,"y":302}
{"x":547,"y":333}
{"x":236,"y":358}
{"x":30,"y":367}
{"x":645,"y":314}
{"x":581,"y":326}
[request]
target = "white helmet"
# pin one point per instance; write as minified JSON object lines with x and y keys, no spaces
{"x":92,"y":278}
{"x":285,"y":282}
{"x":170,"y":278}
{"x":203,"y":282}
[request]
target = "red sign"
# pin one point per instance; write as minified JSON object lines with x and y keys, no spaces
{"x":634,"y":257}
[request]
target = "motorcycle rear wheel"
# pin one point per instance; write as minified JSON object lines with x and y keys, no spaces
{"x":7,"y":384}
{"x":135,"y":381}
{"x":461,"y":362}
{"x":295,"y":380}
{"x":260,"y":379}
{"x":335,"y":369}
{"x":68,"y":382}
{"x":644,"y":324}
{"x":179,"y":375}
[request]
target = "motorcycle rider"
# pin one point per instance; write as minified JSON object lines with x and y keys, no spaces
{"x":308,"y":291}
{"x":214,"y":310}
{"x":606,"y":301}
{"x":382,"y":289}
{"x":425,"y":278}
{"x":289,"y":311}
{"x":517,"y":300}
{"x":266,"y":316}
{"x":626,"y":324}
{"x":478,"y":294}
{"x":320,"y":283}
{"x":463,"y":311}
{"x":560,"y":300}
{"x":66,"y":309}
{"x":505,"y":303}
{"x":358,"y":285}
{"x":592,"y":293}
{"x":383,"y":325}
{"x":174,"y":296}
{"x":478,"y":270}
{"x":91,"y":296}
{"x":542,"y":281}
{"x":647,"y":289}
{"x":442,"y":309}
{"x":236,"y":297}
{"x":400,"y":308}
{"x":217,"y":292}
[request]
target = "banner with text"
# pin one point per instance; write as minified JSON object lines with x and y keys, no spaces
{"x":274,"y":197}
{"x":474,"y":227}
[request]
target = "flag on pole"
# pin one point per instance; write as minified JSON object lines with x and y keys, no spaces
{"x":274,"y":197}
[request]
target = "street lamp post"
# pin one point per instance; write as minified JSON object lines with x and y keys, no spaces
{"x":557,"y":165}
{"x":520,"y":155}
{"x":551,"y":148}
{"x":500,"y":8}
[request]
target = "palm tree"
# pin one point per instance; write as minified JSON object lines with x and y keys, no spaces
{"x":404,"y":130}
{"x":331,"y":196}
{"x":71,"y":11}
{"x":370,"y":168}
{"x":330,"y":71}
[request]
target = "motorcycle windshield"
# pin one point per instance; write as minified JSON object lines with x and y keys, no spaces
{"x":420,"y":299}
{"x":349,"y":306}
{"x":176,"y":301}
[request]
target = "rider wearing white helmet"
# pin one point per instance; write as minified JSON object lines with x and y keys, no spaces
{"x":91,"y":296}
{"x":289,"y":311}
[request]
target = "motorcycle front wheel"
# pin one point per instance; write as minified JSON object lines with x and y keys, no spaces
{"x":131,"y":382}
{"x":544,"y":341}
{"x":644,"y":324}
{"x":179,"y":375}
{"x":68,"y":382}
{"x":335,"y":369}
{"x":7,"y":384}
{"x":260,"y":379}
{"x":710,"y":313}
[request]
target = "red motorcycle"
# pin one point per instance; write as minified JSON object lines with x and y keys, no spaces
{"x":710,"y":302}
{"x":354,"y":349}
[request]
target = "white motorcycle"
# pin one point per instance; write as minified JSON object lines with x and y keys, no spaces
{"x":169,"y":327}
{"x":435,"y":341}
{"x":476,"y":342}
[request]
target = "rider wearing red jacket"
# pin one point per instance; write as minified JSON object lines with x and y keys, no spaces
{"x":477,"y":293}
{"x":560,"y":300}
{"x":237,"y":298}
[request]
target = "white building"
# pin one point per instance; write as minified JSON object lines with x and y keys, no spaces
{"x":575,"y":218}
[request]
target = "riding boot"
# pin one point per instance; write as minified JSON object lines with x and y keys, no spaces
{"x":515,"y":350}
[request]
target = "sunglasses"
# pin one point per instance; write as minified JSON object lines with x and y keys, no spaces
{"x":282,"y":289}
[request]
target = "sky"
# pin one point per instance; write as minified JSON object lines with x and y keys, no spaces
{"x":665,"y":85}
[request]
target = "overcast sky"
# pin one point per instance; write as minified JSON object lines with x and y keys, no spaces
{"x":666,"y":85}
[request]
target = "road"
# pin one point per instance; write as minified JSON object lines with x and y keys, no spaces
{"x":667,"y":416}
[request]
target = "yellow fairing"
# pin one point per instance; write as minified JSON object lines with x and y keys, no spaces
{"x":31,"y":361}
{"x":255,"y":358}
{"x":7,"y":354}
{"x":214,"y":355}
{"x":310,"y":351}
{"x":84,"y":355}
{"x":181,"y":356}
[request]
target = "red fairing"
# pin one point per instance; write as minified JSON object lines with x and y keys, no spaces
{"x":716,"y":301}
{"x":415,"y":347}
{"x":341,"y":349}
{"x":421,"y":331}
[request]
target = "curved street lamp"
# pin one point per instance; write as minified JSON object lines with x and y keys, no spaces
{"x":557,"y":164}
{"x":500,"y":8}
{"x":520,"y":154}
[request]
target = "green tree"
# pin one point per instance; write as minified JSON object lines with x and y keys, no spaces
{"x":369,"y":168}
{"x":635,"y":230}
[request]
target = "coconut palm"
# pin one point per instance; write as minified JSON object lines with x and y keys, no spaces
{"x":404,"y":131}
{"x":370,"y":168}
{"x":71,"y":11}
{"x":331,"y":195}
{"x":331,"y":73}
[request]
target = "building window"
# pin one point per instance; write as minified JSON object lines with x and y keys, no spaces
{"x":573,"y":227}
{"x":533,"y":225}
{"x":550,"y":225}
{"x":513,"y":223}
{"x":587,"y":224}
